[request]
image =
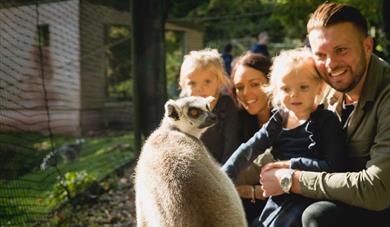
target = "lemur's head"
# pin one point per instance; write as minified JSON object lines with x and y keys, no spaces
{"x":190,"y":114}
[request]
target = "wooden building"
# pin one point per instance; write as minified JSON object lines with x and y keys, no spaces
{"x":67,"y":74}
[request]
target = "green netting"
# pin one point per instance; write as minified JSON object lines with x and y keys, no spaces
{"x":65,"y":99}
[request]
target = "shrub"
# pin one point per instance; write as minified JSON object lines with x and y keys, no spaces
{"x":68,"y":187}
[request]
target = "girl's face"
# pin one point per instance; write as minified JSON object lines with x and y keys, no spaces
{"x":247,"y":83}
{"x":202,"y":82}
{"x":298,"y":89}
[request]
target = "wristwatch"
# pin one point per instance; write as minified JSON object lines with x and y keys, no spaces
{"x":286,"y":180}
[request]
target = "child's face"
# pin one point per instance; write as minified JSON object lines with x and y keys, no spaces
{"x":202,"y":82}
{"x":298,"y":90}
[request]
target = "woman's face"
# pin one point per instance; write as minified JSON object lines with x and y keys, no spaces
{"x":247,"y":83}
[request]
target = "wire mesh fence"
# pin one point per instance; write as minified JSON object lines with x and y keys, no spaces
{"x":65,"y":102}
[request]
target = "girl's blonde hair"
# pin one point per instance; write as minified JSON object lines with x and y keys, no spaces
{"x":203,"y":59}
{"x":285,"y":63}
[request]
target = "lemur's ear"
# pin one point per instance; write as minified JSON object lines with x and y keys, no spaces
{"x":172,"y":110}
{"x":210,"y":99}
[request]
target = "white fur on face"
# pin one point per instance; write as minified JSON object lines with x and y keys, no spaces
{"x":190,"y":114}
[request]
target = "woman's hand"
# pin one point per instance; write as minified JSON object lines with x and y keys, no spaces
{"x":246,"y":191}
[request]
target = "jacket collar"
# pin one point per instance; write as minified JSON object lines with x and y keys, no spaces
{"x":374,"y":79}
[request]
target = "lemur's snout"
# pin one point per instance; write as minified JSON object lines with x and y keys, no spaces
{"x":210,"y":120}
{"x":212,"y":117}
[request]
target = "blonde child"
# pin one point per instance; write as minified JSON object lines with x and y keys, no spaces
{"x":303,"y":135}
{"x":202,"y":74}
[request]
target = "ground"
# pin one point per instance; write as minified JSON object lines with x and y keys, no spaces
{"x":116,"y":207}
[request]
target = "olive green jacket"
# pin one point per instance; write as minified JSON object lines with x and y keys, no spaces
{"x":368,"y":139}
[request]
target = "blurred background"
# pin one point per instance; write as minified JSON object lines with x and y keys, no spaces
{"x":83,"y":82}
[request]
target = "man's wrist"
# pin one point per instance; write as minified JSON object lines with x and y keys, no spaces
{"x":285,"y":180}
{"x":296,"y":186}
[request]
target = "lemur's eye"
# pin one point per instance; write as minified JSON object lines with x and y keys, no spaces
{"x":194,"y":112}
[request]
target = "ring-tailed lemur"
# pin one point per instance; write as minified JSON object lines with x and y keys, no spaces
{"x":68,"y":152}
{"x":177,"y":182}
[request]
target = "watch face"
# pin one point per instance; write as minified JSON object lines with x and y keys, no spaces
{"x":285,"y":183}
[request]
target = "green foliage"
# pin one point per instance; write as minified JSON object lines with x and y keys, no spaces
{"x":25,"y":198}
{"x":293,"y":16}
{"x":19,"y":160}
{"x":226,"y":20}
{"x":24,"y":152}
{"x":174,"y":58}
{"x":119,"y":83}
{"x":68,"y":187}
{"x":239,"y":22}
{"x":181,"y":8}
{"x":121,"y":90}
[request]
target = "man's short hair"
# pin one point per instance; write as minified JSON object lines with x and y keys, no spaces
{"x":331,"y":13}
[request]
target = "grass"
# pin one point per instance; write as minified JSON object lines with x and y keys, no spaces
{"x":25,"y":199}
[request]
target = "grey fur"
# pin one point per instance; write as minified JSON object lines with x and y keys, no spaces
{"x":68,"y":152}
{"x":177,"y":182}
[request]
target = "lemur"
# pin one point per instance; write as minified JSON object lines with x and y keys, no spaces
{"x":177,"y":182}
{"x":68,"y":152}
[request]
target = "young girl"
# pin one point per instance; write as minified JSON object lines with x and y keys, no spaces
{"x":301,"y":133}
{"x":202,"y":74}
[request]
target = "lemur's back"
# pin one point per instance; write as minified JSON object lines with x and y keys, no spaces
{"x":178,"y":184}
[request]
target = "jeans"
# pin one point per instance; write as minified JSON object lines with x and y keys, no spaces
{"x":252,"y":210}
{"x":327,"y":213}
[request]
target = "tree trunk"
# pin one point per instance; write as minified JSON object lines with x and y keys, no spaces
{"x":386,"y":17}
{"x":386,"y":22}
{"x":149,"y":80}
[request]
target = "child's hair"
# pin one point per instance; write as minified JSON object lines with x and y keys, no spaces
{"x":203,"y":59}
{"x":285,"y":63}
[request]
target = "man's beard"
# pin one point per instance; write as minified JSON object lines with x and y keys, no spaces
{"x":356,"y":76}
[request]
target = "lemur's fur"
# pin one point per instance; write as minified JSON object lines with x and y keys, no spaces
{"x":177,"y":182}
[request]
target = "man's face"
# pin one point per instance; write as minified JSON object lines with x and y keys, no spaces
{"x":341,"y":55}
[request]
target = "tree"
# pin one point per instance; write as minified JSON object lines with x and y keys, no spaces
{"x":149,"y":84}
{"x":285,"y":20}
{"x":386,"y":19}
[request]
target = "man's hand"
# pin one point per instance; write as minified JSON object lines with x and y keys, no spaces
{"x":270,"y":181}
{"x":278,"y":164}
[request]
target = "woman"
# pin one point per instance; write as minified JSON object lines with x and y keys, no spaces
{"x":249,"y":74}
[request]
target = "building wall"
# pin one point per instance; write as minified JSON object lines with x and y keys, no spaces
{"x":73,"y":67}
{"x":193,"y":38}
{"x":93,"y":21}
{"x":22,"y":96}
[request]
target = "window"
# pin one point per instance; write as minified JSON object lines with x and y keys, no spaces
{"x":119,"y":84}
{"x":43,"y":35}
